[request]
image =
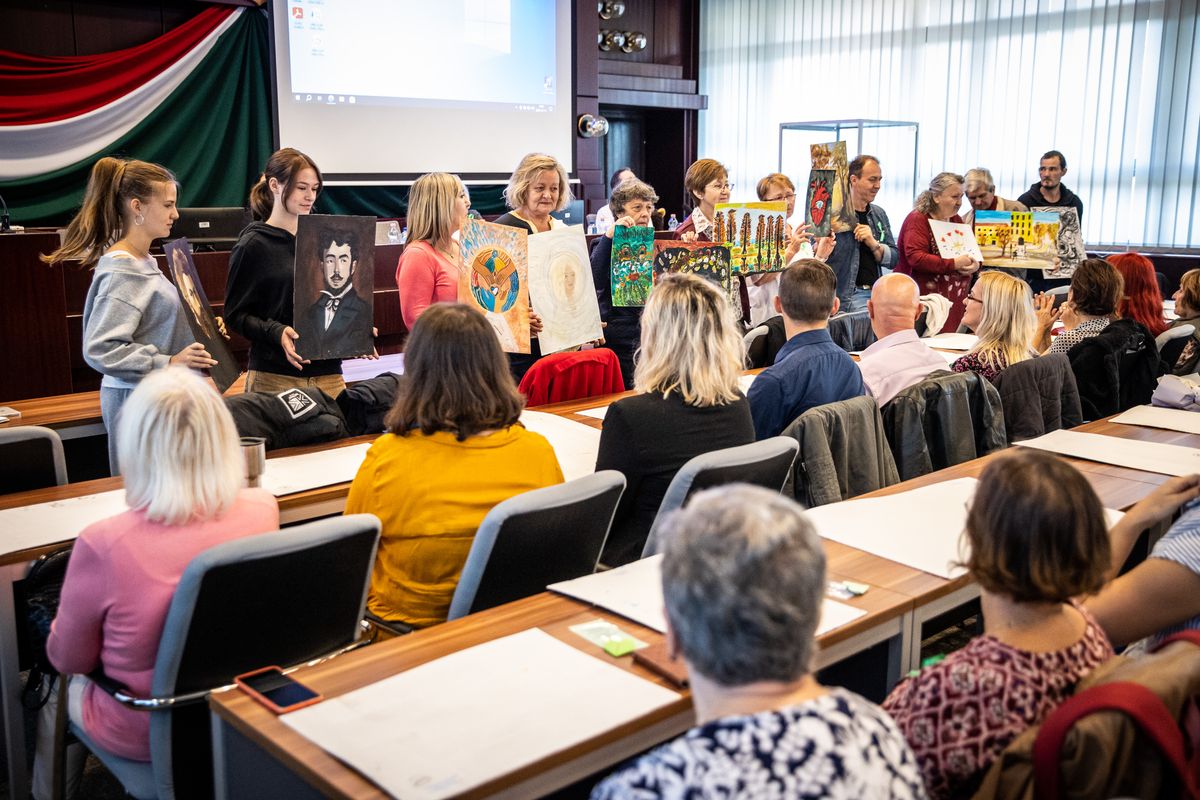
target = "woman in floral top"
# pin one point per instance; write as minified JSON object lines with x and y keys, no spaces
{"x":743,"y":577}
{"x":1038,"y":538}
{"x":1000,"y":312}
{"x":1096,"y":291}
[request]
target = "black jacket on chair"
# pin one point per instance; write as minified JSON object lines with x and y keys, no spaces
{"x":1116,"y":369}
{"x":946,"y":419}
{"x":289,"y":418}
{"x":366,"y":403}
{"x":1039,"y":395}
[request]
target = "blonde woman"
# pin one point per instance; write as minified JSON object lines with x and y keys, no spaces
{"x":183,"y":485}
{"x":687,"y":403}
{"x":428,"y":269}
{"x":537,"y":187}
{"x":1000,"y":312}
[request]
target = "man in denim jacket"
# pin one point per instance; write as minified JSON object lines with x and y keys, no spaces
{"x":867,"y":251}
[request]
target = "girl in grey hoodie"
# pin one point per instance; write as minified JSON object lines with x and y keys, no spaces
{"x":133,"y":321}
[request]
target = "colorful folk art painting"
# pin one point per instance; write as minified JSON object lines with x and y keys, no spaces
{"x":832,"y":156}
{"x":818,"y":207}
{"x":703,"y":259}
{"x":955,"y":239}
{"x":1071,"y":252}
{"x":494,"y":280}
{"x":756,"y":234}
{"x":561,"y":289}
{"x":632,"y":265}
{"x":1021,"y":239}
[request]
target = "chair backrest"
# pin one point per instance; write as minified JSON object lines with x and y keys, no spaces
{"x":1056,"y":290}
{"x":1039,"y":395}
{"x":275,"y":599}
{"x":766,"y":463}
{"x":31,"y":457}
{"x":843,"y":452}
{"x":572,"y":376}
{"x":761,"y":349}
{"x":1178,"y":332}
{"x":1116,"y":369}
{"x":851,"y":330}
{"x":535,"y":539}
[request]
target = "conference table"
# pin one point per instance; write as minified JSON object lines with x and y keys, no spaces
{"x":899,"y":601}
{"x":257,"y":755}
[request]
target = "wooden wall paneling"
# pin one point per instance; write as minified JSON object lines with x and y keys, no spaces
{"x":670,"y":28}
{"x":37,"y":28}
{"x":613,"y":67}
{"x":32,"y":307}
{"x":589,"y":153}
{"x":101,"y":27}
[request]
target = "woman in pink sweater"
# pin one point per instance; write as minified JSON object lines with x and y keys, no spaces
{"x":183,"y":473}
{"x":429,"y":266}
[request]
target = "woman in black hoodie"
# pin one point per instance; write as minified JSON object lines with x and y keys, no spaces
{"x":260,"y":287}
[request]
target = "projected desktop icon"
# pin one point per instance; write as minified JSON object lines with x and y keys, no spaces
{"x":352,"y":100}
{"x":297,"y":12}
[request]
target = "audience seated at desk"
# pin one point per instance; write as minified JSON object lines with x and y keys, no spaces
{"x":810,"y":370}
{"x":454,"y":449}
{"x":1187,"y":308}
{"x":261,"y":283}
{"x":183,"y":473}
{"x":429,"y":266}
{"x":1141,"y":299}
{"x":632,"y":204}
{"x":688,"y":403}
{"x":1096,"y":292}
{"x":133,"y":321}
{"x":1000,"y":312}
{"x":1038,"y":538}
{"x":898,"y":358}
{"x":765,"y":727}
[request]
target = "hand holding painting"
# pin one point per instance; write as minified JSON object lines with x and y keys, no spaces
{"x":194,"y":356}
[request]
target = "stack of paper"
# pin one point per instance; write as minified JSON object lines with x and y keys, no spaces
{"x":635,"y":591}
{"x":575,"y":444}
{"x":313,"y":470}
{"x":452,"y":724}
{"x":1164,"y":459}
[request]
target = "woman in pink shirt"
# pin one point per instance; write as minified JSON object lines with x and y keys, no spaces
{"x":429,"y":266}
{"x":183,"y":471}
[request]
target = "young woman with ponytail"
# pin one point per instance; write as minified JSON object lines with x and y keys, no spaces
{"x":133,"y":321}
{"x":261,"y":283}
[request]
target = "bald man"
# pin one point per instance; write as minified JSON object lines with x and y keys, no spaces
{"x":899,"y":358}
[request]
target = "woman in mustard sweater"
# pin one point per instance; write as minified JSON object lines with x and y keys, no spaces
{"x":454,"y":449}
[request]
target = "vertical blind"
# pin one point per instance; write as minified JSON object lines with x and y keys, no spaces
{"x":1113,"y":84}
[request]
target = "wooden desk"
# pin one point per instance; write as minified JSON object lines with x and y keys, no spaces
{"x":256,"y":755}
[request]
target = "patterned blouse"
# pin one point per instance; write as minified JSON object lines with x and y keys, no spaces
{"x":1084,"y":330}
{"x":837,"y":745}
{"x":971,"y":362}
{"x":959,"y":714}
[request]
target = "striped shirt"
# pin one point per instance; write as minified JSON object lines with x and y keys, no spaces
{"x":1181,"y":544}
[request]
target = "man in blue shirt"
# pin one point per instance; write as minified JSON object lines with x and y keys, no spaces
{"x":810,"y":370}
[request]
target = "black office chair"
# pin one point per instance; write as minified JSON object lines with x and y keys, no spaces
{"x":766,"y":463}
{"x":225,"y":619}
{"x":31,"y":457}
{"x":538,"y":538}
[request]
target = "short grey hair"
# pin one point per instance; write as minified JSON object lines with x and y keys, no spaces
{"x":629,"y":190}
{"x":743,"y":578}
{"x":979,"y":178}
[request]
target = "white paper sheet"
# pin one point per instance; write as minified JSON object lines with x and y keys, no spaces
{"x":574,"y":443}
{"x":1164,"y":459}
{"x":744,"y":382}
{"x":312,"y":470}
{"x":1171,"y":419}
{"x":635,"y":592}
{"x":446,"y":726}
{"x":561,"y":289}
{"x":955,"y":239}
{"x":595,"y":413}
{"x":361,"y":369}
{"x":952,"y":341}
{"x":56,"y":521}
{"x":920,"y":528}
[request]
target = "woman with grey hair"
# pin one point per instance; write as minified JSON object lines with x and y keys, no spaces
{"x":632,"y":204}
{"x":919,"y":256}
{"x":743,"y":576}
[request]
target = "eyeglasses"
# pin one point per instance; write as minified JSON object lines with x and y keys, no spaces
{"x":788,"y":196}
{"x":973,"y":297}
{"x":720,"y":186}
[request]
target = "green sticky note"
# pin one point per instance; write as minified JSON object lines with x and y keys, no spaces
{"x":620,"y":647}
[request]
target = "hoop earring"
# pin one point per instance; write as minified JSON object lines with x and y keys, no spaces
{"x":139,"y":220}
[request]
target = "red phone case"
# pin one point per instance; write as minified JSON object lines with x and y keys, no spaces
{"x":277,"y":709}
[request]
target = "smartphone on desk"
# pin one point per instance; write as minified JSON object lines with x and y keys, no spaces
{"x":277,"y":691}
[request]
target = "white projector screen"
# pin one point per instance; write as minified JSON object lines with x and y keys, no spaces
{"x":385,"y":90}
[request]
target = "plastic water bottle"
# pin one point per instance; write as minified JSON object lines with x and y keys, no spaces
{"x":404,"y":235}
{"x":672,"y":223}
{"x":394,"y":232}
